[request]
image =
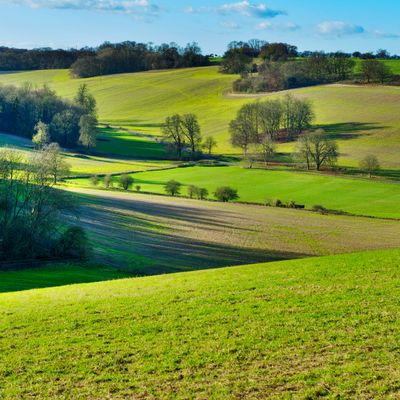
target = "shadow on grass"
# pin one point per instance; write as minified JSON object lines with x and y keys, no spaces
{"x":136,"y":123}
{"x":117,"y":143}
{"x":129,"y":229}
{"x":349,"y":130}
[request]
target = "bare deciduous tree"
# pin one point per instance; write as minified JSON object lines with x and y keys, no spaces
{"x":370,"y":164}
{"x":315,"y":149}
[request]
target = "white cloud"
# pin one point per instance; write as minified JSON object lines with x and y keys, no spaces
{"x":230,"y":25}
{"x":244,"y":8}
{"x":121,"y":6}
{"x":386,"y":35}
{"x":249,"y":10}
{"x":339,"y":28}
{"x":286,"y":26}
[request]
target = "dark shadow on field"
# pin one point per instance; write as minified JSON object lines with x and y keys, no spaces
{"x":139,"y":243}
{"x":349,"y":130}
{"x":136,"y":122}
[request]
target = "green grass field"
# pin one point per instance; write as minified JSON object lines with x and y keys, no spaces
{"x":363,"y":119}
{"x":324,"y":327}
{"x":55,"y":275}
{"x":394,"y":65}
{"x":357,"y":196}
{"x":87,"y":164}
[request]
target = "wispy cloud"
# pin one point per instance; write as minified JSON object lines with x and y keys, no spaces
{"x":285,"y":26}
{"x":244,"y":8}
{"x":230,"y":25}
{"x":139,"y":7}
{"x":339,"y":28}
{"x":386,"y":35}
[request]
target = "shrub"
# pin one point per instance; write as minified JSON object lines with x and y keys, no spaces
{"x":138,"y":188}
{"x":202,"y":193}
{"x":319,"y":208}
{"x":125,"y":181}
{"x":173,"y":187}
{"x":73,"y":243}
{"x":225,"y":194}
{"x":192,"y":191}
{"x":94,"y":180}
{"x":276,"y":203}
{"x":107,"y":181}
{"x":291,"y":204}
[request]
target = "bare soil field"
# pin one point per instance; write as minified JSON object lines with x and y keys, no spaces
{"x":157,"y":234}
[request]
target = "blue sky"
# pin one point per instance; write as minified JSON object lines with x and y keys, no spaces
{"x":310,"y":24}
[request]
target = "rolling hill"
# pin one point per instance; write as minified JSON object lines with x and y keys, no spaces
{"x":363,"y":119}
{"x":322,"y":327}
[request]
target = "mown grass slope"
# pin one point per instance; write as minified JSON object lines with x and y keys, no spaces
{"x":363,"y":119}
{"x":55,"y":275}
{"x":357,"y":196}
{"x":89,"y":164}
{"x":324,"y":327}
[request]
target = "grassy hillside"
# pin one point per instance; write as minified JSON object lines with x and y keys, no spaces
{"x":87,"y":164}
{"x":357,"y":196}
{"x":146,"y":234}
{"x":55,"y":275}
{"x":394,"y":65}
{"x":363,"y":119}
{"x":325,"y":327}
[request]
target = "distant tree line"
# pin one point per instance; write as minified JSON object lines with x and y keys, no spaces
{"x":133,"y":57}
{"x":283,"y":67}
{"x":108,"y":58}
{"x":40,"y":113}
{"x":12,"y":59}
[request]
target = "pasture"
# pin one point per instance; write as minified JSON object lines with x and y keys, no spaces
{"x":144,"y":234}
{"x":320,"y":327}
{"x":56,"y":275}
{"x":356,"y":196}
{"x":363,"y":119}
{"x":89,"y":164}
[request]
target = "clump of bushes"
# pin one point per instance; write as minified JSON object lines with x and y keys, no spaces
{"x":319,"y":208}
{"x":322,"y":210}
{"x":291,"y":204}
{"x":277,"y":203}
{"x":225,"y":194}
{"x":280,"y":203}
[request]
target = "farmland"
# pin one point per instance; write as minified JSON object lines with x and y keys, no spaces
{"x":288,"y":329}
{"x":357,"y":196}
{"x":362,"y":119}
{"x":110,"y":288}
{"x":144,"y":234}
